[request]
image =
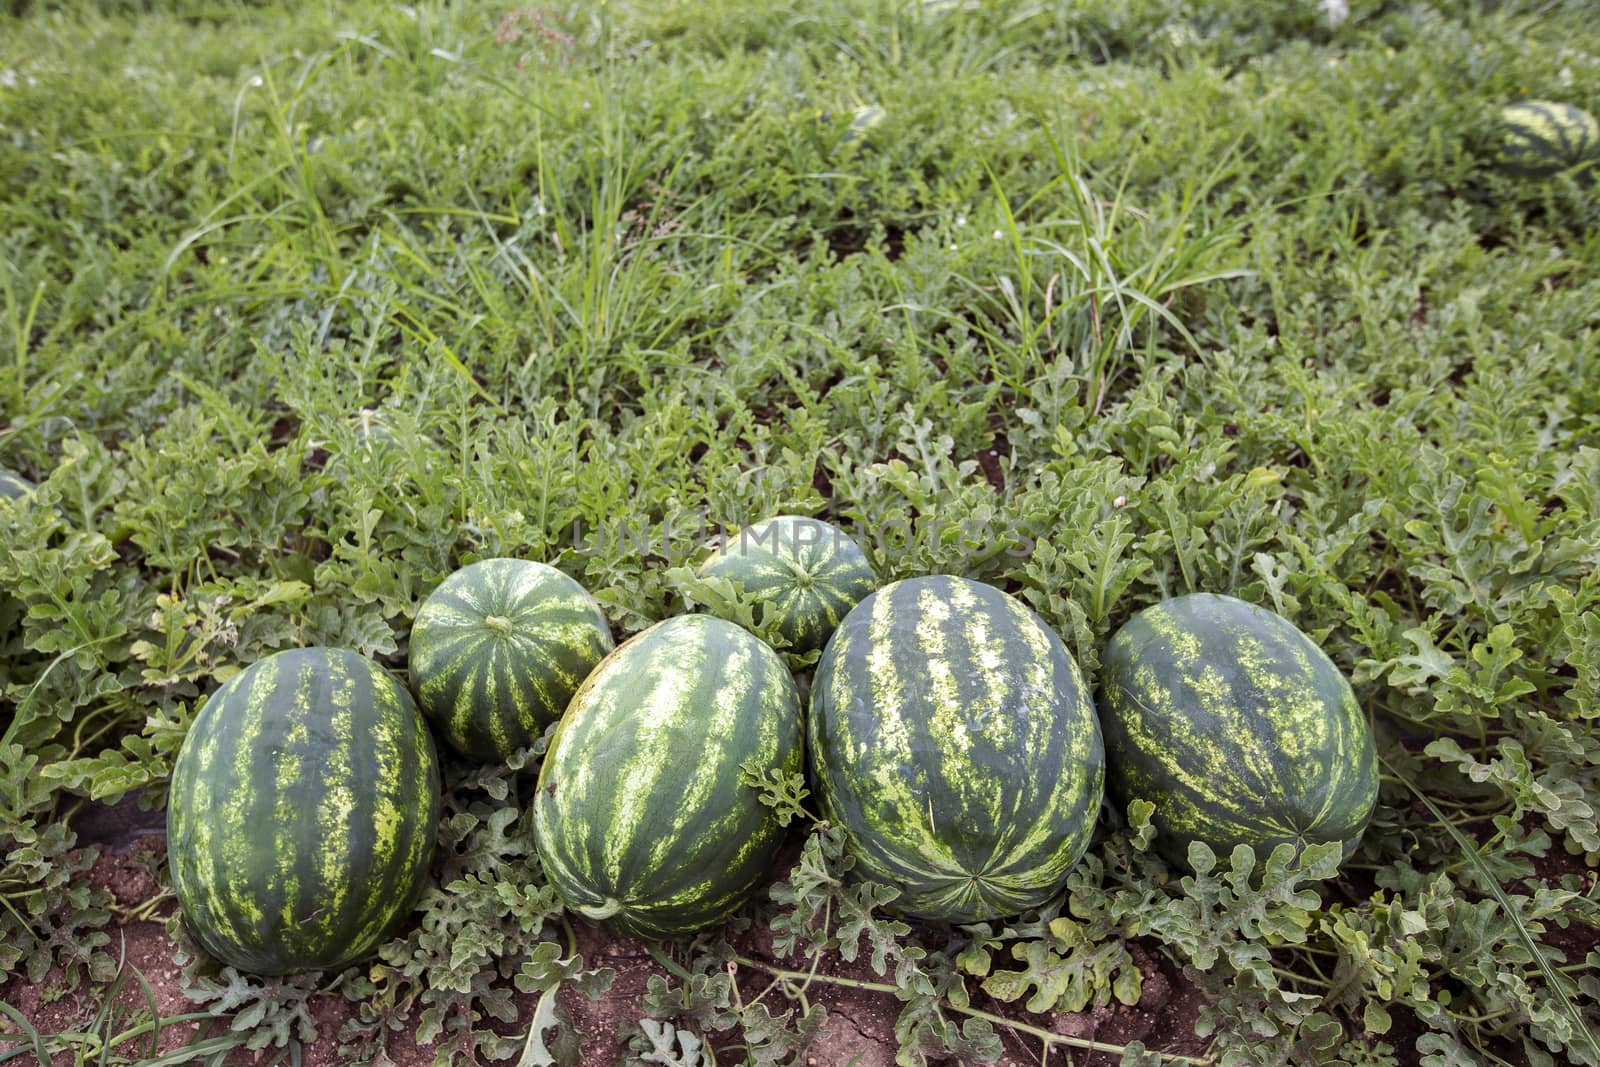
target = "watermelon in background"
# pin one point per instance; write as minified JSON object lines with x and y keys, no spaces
{"x":304,"y":804}
{"x":1538,"y":138}
{"x":1237,"y":727}
{"x":952,"y":738}
{"x":14,"y":485}
{"x":498,"y":649}
{"x":642,"y":818}
{"x":808,"y":571}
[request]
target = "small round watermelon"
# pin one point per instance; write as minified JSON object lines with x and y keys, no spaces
{"x":952,"y":738}
{"x":1539,"y":138}
{"x":807,"y":570}
{"x":1237,"y":727}
{"x":642,"y":819}
{"x":304,"y":805}
{"x":498,"y":649}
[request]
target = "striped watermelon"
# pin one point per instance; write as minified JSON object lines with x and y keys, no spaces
{"x":497,"y":651}
{"x":1541,"y":137}
{"x":864,"y":118}
{"x":807,"y":570}
{"x":952,"y":738}
{"x":641,"y":819}
{"x":1237,"y":727}
{"x":303,"y":810}
{"x":13,"y":485}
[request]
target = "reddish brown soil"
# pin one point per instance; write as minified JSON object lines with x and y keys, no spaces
{"x":1163,"y":1019}
{"x":860,"y":1028}
{"x":130,"y":883}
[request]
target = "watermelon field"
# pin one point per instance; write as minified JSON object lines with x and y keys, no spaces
{"x":1197,"y":662}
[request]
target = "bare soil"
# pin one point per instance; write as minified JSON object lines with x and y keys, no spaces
{"x":859,"y":1032}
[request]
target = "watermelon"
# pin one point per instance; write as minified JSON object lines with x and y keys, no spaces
{"x":1237,"y":727}
{"x":807,"y":570}
{"x":1541,"y":137}
{"x":864,"y":118}
{"x":13,"y":485}
{"x":304,"y":804}
{"x":498,"y":649}
{"x":642,"y":819}
{"x":953,"y":740}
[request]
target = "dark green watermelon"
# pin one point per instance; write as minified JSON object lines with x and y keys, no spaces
{"x":642,"y":819}
{"x":806,"y":570}
{"x":1237,"y":727}
{"x":1538,"y":138}
{"x":952,"y":738}
{"x":14,"y":485}
{"x":498,"y":649}
{"x":304,"y":804}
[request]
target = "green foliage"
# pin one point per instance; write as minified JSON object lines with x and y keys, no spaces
{"x":827,"y":914}
{"x":726,"y":599}
{"x":1067,"y":970}
{"x":1102,"y":303}
{"x":52,"y":916}
{"x":708,"y":998}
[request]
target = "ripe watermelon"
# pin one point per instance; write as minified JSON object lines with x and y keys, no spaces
{"x":303,"y":810}
{"x":1541,"y":137}
{"x":952,"y":738}
{"x":807,"y":570}
{"x":1237,"y":727}
{"x":498,"y":649}
{"x":641,"y":818}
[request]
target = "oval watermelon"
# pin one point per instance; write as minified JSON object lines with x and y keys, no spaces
{"x":952,"y":738}
{"x":807,"y":570}
{"x":304,"y":804}
{"x":1236,"y":727}
{"x":1539,"y":138}
{"x":498,"y":649}
{"x":641,"y":819}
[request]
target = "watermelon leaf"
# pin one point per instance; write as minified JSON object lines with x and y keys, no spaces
{"x":546,"y":1015}
{"x":1557,"y":798}
{"x":782,"y":791}
{"x":142,"y":761}
{"x":1142,"y":830}
{"x":270,"y":1011}
{"x":1068,"y":972}
{"x":662,"y":1043}
{"x":726,"y":599}
{"x":805,"y":896}
{"x":1221,"y":915}
{"x":709,"y":998}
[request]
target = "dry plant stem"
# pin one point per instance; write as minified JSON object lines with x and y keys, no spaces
{"x":1049,"y":1037}
{"x":146,"y":911}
